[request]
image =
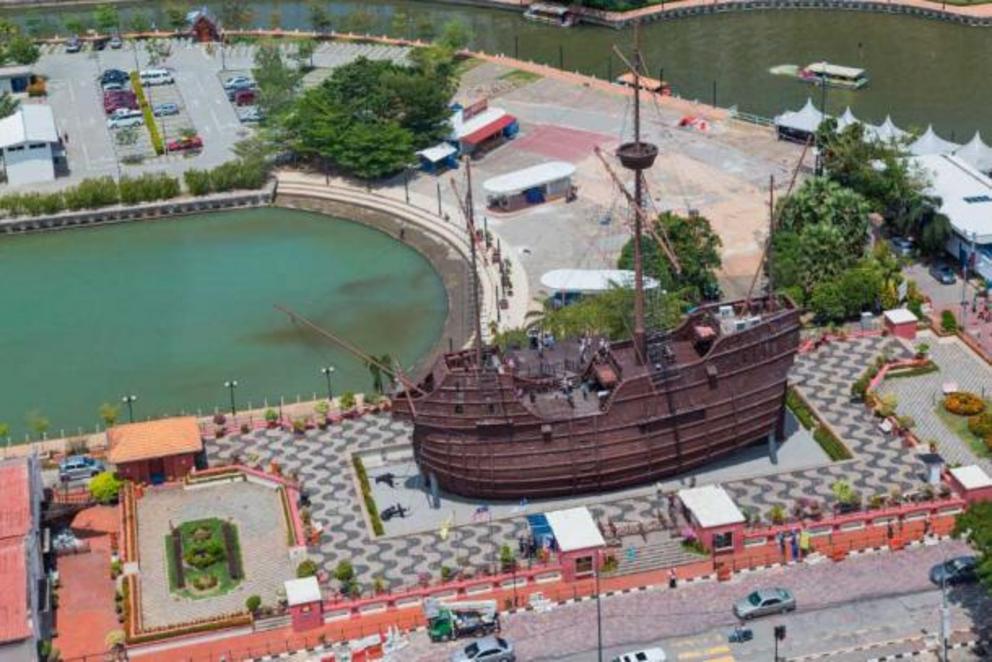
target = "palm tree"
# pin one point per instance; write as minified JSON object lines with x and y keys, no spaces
{"x":8,"y":105}
{"x":374,"y":368}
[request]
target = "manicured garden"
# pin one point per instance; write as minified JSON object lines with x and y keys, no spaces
{"x":203,"y":558}
{"x":969,"y":417}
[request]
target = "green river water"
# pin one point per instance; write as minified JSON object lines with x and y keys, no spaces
{"x":922,"y":71}
{"x":170,"y":310}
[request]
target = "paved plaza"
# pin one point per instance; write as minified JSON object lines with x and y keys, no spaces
{"x":257,"y":513}
{"x":922,"y":395}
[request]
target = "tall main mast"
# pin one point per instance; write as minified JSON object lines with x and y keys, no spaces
{"x":638,"y":156}
{"x":476,"y":285}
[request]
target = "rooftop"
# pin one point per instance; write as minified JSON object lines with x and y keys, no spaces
{"x":711,"y":506}
{"x":575,"y":529}
{"x":591,"y":280}
{"x":971,"y":477}
{"x":518,"y":181}
{"x":15,"y":516}
{"x":965,"y":194}
{"x":32,"y":122}
{"x":154,"y":439}
{"x":14,"y":623}
{"x":900,"y":316}
{"x":301,"y":591}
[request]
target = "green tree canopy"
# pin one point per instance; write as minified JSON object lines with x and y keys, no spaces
{"x":8,"y":104}
{"x":235,"y":14}
{"x":694,"y":242}
{"x":320,"y":18}
{"x":278,"y":83}
{"x":106,"y":18}
{"x":975,"y":526}
{"x":105,"y":486}
{"x":455,"y":35}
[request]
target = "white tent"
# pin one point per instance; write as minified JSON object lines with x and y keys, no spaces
{"x":931,"y":143}
{"x":807,"y":119}
{"x":886,"y":131}
{"x":976,"y":154}
{"x":591,"y":280}
{"x":847,"y":119}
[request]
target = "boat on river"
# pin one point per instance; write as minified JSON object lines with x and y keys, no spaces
{"x":551,"y":14}
{"x":833,"y":75}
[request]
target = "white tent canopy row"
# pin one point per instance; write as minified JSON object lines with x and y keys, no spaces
{"x":588,"y":281}
{"x":521,"y":180}
{"x":976,"y":154}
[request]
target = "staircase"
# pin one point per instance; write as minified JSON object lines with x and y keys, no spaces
{"x":663,"y":552}
{"x":271,"y":623}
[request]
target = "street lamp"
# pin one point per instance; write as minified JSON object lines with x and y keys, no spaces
{"x":599,"y":614}
{"x":327,"y":372}
{"x":231,"y":385}
{"x":129,"y":400}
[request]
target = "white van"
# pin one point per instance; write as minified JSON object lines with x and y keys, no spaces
{"x":156,"y":77}
{"x":123,"y":117}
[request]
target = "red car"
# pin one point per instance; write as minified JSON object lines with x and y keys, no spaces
{"x":183,"y":144}
{"x":244,"y":97}
{"x":120,"y":99}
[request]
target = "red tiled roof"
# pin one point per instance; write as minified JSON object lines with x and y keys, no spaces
{"x":14,"y":580}
{"x":15,"y":509}
{"x":154,"y":439}
{"x":489,"y":130}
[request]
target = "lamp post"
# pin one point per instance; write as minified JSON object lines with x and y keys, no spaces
{"x":599,"y":614}
{"x":232,"y":384}
{"x":129,"y":401}
{"x":327,"y":372}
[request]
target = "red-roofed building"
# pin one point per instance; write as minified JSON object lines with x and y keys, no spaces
{"x":156,"y":451}
{"x":25,"y":606}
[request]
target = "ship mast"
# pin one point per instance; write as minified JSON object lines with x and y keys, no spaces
{"x":468,"y":210}
{"x":637,"y":156}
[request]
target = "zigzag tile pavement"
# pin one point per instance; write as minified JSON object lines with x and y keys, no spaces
{"x":321,"y":460}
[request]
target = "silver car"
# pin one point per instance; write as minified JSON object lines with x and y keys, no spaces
{"x":765,"y":601}
{"x":487,"y":649}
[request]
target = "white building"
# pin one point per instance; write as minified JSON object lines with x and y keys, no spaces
{"x":29,"y":142}
{"x":15,"y":80}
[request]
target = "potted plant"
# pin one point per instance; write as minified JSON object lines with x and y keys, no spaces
{"x":299,"y":426}
{"x":347,"y":403}
{"x":245,"y":428}
{"x":321,"y":409}
{"x":271,"y":417}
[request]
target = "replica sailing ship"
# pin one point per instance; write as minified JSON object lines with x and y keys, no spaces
{"x":587,"y":415}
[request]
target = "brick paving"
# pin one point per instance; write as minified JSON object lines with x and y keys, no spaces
{"x":920,"y":397}
{"x":257,"y":513}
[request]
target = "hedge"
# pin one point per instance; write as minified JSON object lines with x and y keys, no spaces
{"x":148,"y":188}
{"x":230,"y":176}
{"x":233,"y":551}
{"x":800,"y":409}
{"x":363,"y":481}
{"x":146,"y":109}
{"x":831,"y":445}
{"x":177,"y":558}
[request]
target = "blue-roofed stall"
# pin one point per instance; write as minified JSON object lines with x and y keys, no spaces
{"x":438,"y":158}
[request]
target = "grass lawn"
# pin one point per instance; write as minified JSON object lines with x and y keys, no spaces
{"x":200,"y":534}
{"x":959,"y":426}
{"x":520,"y":77}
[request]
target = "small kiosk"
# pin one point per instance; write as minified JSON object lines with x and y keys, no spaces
{"x":716,"y":519}
{"x":305,"y":603}
{"x":478,"y":126}
{"x":437,"y":159}
{"x":580,"y":544}
{"x":530,"y":186}
{"x":972,"y":483}
{"x":901,"y":323}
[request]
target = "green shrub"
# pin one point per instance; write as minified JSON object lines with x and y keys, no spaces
{"x":981,"y":425}
{"x":948,"y":323}
{"x":348,"y":400}
{"x":831,"y":445}
{"x":344,"y":572}
{"x":799,"y":409}
{"x":105,"y":486}
{"x":139,"y":92}
{"x":197,"y":181}
{"x":363,"y":482}
{"x":148,"y":187}
{"x":204,"y":555}
{"x":307,"y":568}
{"x":964,"y":403}
{"x":253,"y":603}
{"x":92,"y":193}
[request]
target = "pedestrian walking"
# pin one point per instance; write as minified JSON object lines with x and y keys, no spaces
{"x":890,"y":532}
{"x":65,"y":137}
{"x":781,"y":543}
{"x":673,"y":579}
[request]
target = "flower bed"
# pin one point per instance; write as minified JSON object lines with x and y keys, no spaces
{"x":203,"y":558}
{"x":363,"y":482}
{"x":964,"y":403}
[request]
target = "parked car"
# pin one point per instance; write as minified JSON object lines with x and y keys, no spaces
{"x":114,"y":101}
{"x":238,"y":82}
{"x":79,"y":467}
{"x":124,"y":117}
{"x":646,"y":655}
{"x":245,"y":97}
{"x":163,"y":109}
{"x":185,"y":143}
{"x":253,"y":114}
{"x":114,"y":86}
{"x":765,"y":601}
{"x":111,"y":75}
{"x":232,"y":94}
{"x":487,"y":649}
{"x":903,"y":246}
{"x":74,"y":45}
{"x":943,"y":274}
{"x":955,"y":571}
{"x":116,"y":41}
{"x":100,"y":43}
{"x":151,"y":77}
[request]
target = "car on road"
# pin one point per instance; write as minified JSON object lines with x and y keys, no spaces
{"x":185,"y":143}
{"x":116,"y":42}
{"x":765,"y":601}
{"x":646,"y":655}
{"x":253,"y":114}
{"x":124,"y":117}
{"x":163,"y":109}
{"x":74,"y":45}
{"x":902,"y":246}
{"x":238,"y":83}
{"x":943,"y":273}
{"x":79,"y":467}
{"x":487,"y":649}
{"x":114,"y":75}
{"x":955,"y":571}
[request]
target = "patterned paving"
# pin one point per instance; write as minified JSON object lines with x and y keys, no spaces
{"x":321,"y":459}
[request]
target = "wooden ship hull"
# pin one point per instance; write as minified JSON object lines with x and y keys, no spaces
{"x":513,"y":431}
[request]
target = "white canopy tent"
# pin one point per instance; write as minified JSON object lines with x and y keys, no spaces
{"x":931,"y":143}
{"x":847,"y":119}
{"x":806,"y":120}
{"x":590,"y":281}
{"x":976,"y":154}
{"x":886,"y":131}
{"x":520,"y":180}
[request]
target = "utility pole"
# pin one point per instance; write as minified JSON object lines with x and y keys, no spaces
{"x":599,"y":615}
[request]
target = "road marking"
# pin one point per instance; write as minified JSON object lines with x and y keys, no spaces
{"x":707,"y":653}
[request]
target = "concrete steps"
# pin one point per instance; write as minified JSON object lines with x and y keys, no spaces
{"x":652,"y":556}
{"x":272,"y":623}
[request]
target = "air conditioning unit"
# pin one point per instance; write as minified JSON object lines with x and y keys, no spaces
{"x":726,"y":312}
{"x":740,"y":325}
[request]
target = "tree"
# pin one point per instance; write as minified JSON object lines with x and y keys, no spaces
{"x":75,"y":25}
{"x":8,"y":105}
{"x":455,"y":35}
{"x":105,"y":486}
{"x":423,"y":28}
{"x":37,"y":423}
{"x":320,"y":18}
{"x":305,"y":48}
{"x":344,"y":572}
{"x":694,"y":243}
{"x":175,"y":16}
{"x":252,"y":603}
{"x":975,"y":526}
{"x":106,"y":18}
{"x":4,"y":430}
{"x":140,"y":22}
{"x":278,"y":83}
{"x":822,"y":201}
{"x":376,"y":371}
{"x":21,"y":50}
{"x":307,"y":568}
{"x":235,"y":14}
{"x":399,"y":23}
{"x":360,"y":21}
{"x":109,"y":413}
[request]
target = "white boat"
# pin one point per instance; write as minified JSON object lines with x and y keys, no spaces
{"x":834,"y":75}
{"x":559,"y":15}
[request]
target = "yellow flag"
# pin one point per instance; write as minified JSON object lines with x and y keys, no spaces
{"x":445,"y":527}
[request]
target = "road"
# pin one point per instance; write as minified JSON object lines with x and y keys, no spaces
{"x":872,"y":598}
